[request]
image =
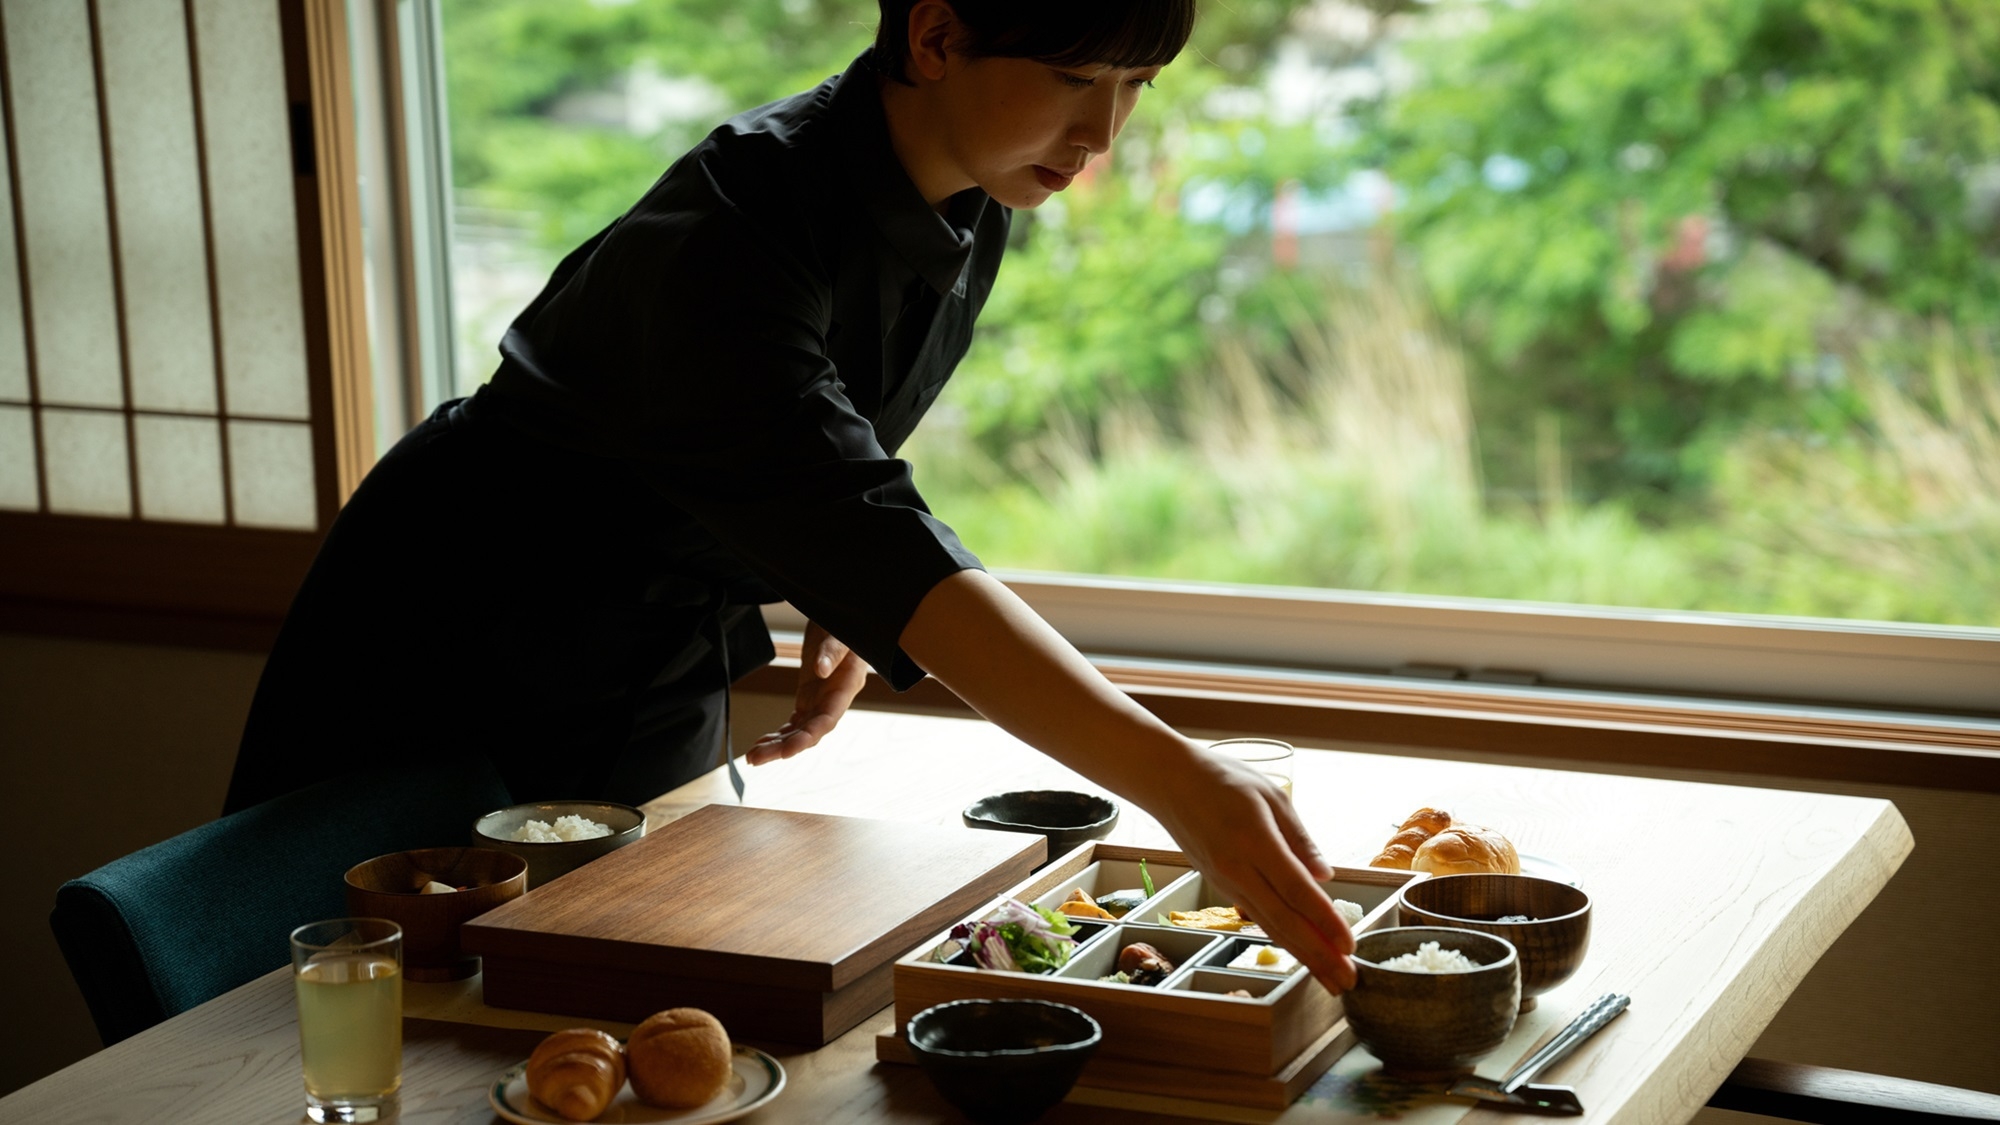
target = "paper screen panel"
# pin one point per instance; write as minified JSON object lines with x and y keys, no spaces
{"x":149,"y":98}
{"x":13,"y":342}
{"x":271,"y":474}
{"x":247,"y":143}
{"x":89,"y":473}
{"x":180,"y":468}
{"x":17,"y":459}
{"x":50,"y":79}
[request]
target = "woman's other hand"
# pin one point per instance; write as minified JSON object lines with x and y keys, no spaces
{"x":830,"y":676}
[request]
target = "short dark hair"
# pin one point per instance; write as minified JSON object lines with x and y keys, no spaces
{"x":1119,"y":33}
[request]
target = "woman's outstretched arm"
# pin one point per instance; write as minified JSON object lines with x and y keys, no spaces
{"x":984,"y":643}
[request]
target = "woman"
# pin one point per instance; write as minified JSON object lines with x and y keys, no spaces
{"x":698,"y":414}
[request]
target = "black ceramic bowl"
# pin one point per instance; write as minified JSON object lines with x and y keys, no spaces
{"x":1003,"y":1062}
{"x":1066,"y":818}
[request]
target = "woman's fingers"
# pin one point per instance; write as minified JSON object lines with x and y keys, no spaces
{"x":1287,"y":901}
{"x":831,"y":653}
{"x":830,"y":676}
{"x":1243,"y":833}
{"x":819,"y":655}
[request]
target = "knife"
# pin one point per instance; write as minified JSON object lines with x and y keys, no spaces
{"x":1517,"y":1092}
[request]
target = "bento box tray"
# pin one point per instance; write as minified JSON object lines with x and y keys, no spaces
{"x":783,"y":924}
{"x":1182,"y":1038}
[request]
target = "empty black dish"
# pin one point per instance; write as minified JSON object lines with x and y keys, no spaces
{"x":1003,"y":1062}
{"x":1066,"y":818}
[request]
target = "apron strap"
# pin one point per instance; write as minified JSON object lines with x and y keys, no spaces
{"x":716,"y":638}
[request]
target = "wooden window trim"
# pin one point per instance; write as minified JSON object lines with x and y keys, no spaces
{"x":1844,"y":664}
{"x":1581,"y":728}
{"x":318,"y":79}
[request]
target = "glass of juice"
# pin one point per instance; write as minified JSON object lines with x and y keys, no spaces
{"x":1267,"y":756}
{"x":349,"y":976}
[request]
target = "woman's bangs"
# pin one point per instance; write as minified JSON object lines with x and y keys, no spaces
{"x":1117,"y":33}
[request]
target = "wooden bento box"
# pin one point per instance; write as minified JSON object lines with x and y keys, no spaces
{"x":782,"y":924}
{"x":1183,"y":1037}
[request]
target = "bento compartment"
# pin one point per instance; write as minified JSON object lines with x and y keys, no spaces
{"x":957,"y":949}
{"x":1191,"y":896}
{"x":1225,"y":953}
{"x":1377,"y":900}
{"x":1218,"y":982}
{"x":1194,"y":895}
{"x":1112,"y":875}
{"x":1099,"y":958}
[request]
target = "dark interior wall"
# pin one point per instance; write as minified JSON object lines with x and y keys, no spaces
{"x":107,"y":748}
{"x":104,"y":749}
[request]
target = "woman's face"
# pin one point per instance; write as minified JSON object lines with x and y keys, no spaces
{"x":1022,"y":129}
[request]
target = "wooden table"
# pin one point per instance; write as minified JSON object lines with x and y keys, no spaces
{"x":1710,"y":904}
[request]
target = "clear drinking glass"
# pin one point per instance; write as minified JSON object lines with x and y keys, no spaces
{"x":1267,"y":756}
{"x":349,"y":976}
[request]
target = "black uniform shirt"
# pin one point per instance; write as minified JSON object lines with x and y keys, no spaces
{"x":754,"y":340}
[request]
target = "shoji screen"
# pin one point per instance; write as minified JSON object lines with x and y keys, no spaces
{"x":153,"y":351}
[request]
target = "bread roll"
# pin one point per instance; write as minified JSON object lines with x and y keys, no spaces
{"x":1466,"y":848}
{"x":679,"y":1058}
{"x":577,"y":1072}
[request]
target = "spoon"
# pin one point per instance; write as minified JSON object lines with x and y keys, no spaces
{"x":1518,"y":1092}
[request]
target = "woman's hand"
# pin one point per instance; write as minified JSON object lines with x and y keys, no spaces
{"x":1242,"y":833}
{"x":830,"y":676}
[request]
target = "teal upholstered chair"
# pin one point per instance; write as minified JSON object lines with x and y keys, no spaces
{"x":166,"y":928}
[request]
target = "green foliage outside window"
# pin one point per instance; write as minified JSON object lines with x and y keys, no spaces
{"x":1682,"y":303}
{"x":1677,"y":218}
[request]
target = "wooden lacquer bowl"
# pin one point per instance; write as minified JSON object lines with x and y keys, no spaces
{"x":1551,"y":945}
{"x":1429,"y":1026}
{"x":391,"y":887}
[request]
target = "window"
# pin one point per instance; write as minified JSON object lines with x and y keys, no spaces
{"x":172,"y":435}
{"x":1463,"y":340}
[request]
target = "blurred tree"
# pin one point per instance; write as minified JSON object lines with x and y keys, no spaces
{"x":1661,"y":217}
{"x":1103,"y":295}
{"x":509,"y":64}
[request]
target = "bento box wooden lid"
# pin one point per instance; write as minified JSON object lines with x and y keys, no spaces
{"x":760,"y":896}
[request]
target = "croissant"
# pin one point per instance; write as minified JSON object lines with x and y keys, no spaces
{"x":1432,"y":821}
{"x":1402,"y":847}
{"x":577,"y":1072}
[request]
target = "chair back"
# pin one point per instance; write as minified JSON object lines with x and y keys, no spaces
{"x":171,"y":926}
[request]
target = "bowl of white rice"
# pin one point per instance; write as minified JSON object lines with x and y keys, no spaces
{"x":1430,"y":1000}
{"x":557,"y":837}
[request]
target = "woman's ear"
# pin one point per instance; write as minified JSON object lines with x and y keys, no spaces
{"x":933,"y":32}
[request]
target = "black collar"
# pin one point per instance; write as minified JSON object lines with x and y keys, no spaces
{"x":935,"y":246}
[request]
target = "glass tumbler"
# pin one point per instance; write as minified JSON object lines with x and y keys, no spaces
{"x":1267,"y":756}
{"x":348,"y":973}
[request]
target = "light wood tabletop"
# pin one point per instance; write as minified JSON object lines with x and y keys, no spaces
{"x":1710,"y":904}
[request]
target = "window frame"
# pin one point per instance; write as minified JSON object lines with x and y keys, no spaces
{"x":1394,"y":642}
{"x":1874,"y":700}
{"x":1808,"y":662}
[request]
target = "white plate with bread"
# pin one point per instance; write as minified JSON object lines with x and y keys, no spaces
{"x":1434,"y":842}
{"x":756,"y":1079}
{"x":681,"y":1065}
